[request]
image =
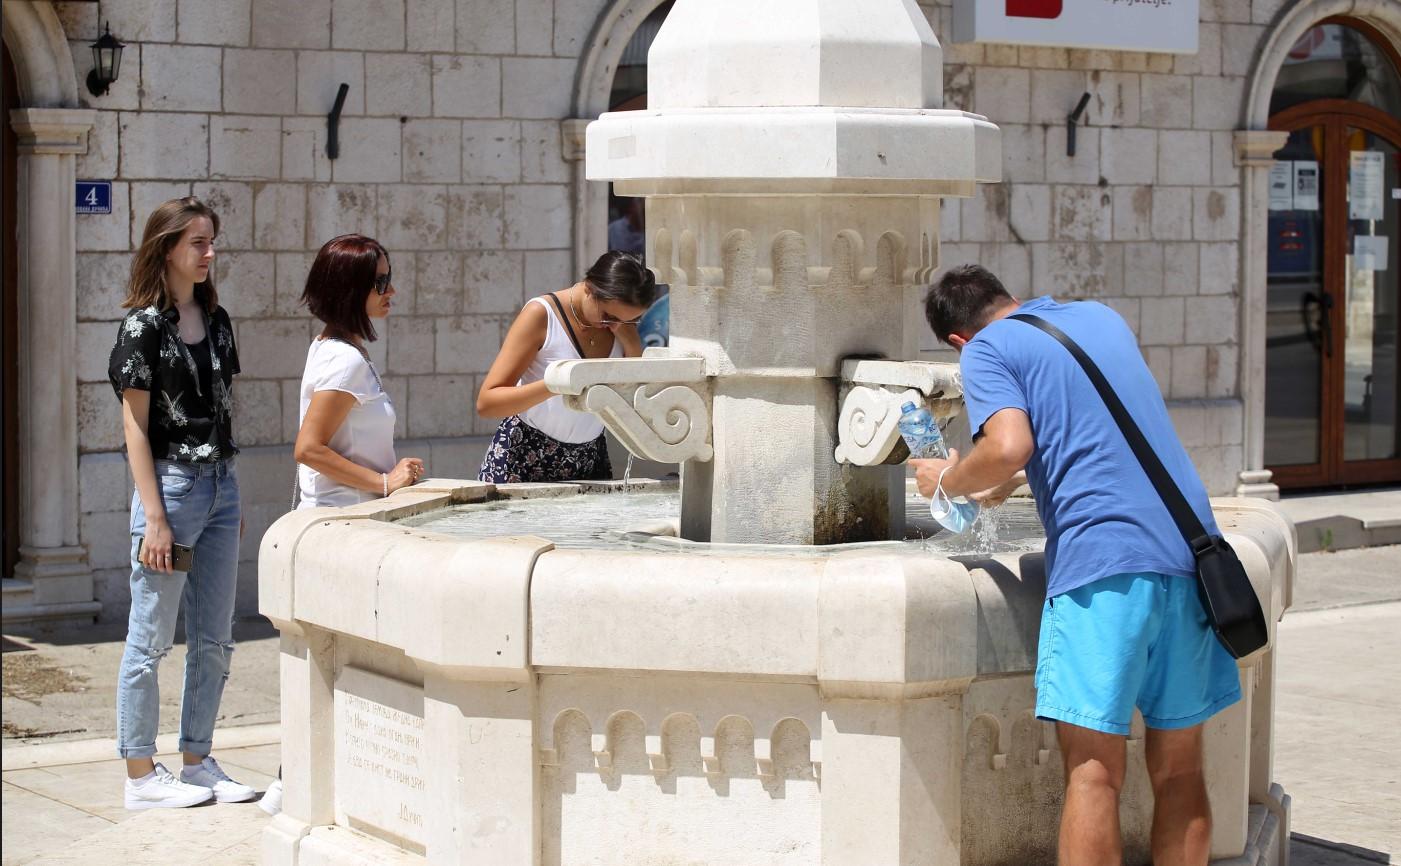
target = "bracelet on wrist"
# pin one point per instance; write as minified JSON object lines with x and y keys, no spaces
{"x":384,"y":482}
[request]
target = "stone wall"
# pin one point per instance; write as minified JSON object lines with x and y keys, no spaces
{"x":1146,"y":217}
{"x":451,"y":154}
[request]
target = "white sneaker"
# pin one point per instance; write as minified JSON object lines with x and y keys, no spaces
{"x":163,"y":791}
{"x":207,"y":774}
{"x":271,"y":801}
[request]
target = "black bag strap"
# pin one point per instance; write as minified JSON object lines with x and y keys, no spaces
{"x":568,"y":327}
{"x":1182,"y":514}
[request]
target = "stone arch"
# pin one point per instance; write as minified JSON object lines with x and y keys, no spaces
{"x":1293,"y":22}
{"x":592,"y":86}
{"x":53,"y":578}
{"x":39,"y":49}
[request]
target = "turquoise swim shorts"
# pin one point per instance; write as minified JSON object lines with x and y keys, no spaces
{"x":1131,"y":640}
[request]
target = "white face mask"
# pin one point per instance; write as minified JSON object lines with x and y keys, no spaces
{"x":956,"y":517}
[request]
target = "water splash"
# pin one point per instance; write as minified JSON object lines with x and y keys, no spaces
{"x":987,"y":528}
{"x":627,"y":474}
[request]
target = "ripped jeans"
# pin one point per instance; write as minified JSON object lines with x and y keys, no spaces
{"x":202,"y":506}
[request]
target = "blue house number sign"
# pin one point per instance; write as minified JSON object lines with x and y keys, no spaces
{"x":94,"y":196}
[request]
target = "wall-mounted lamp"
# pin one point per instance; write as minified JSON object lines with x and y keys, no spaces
{"x":106,"y":62}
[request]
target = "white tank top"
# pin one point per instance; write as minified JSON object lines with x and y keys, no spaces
{"x":552,"y":417}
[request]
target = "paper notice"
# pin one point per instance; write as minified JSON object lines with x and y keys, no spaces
{"x":1366,"y":186}
{"x":1282,"y":185}
{"x":1370,"y":253}
{"x":1305,"y":184}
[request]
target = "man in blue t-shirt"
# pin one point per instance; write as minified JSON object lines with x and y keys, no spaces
{"x":1122,"y":626}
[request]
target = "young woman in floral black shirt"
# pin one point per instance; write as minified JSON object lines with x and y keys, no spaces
{"x":172,"y":368}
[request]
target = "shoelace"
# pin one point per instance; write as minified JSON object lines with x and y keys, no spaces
{"x":212,"y":767}
{"x":164,"y":776}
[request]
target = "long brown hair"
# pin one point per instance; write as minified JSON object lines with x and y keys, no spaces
{"x":166,"y":224}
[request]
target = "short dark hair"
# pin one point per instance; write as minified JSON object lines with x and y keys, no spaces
{"x":962,"y":300}
{"x":620,"y":276}
{"x":340,"y":280}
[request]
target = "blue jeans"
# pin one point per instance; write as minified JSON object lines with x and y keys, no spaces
{"x":201,"y":504}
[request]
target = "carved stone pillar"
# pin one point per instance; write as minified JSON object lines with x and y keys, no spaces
{"x":51,"y":559}
{"x":1255,"y":150}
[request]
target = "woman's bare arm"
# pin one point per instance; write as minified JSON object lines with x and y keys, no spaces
{"x":324,"y":416}
{"x":136,"y":416}
{"x":500,"y":396}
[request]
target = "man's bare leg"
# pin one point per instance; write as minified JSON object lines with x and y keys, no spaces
{"x":1094,"y":776}
{"x":1181,"y":812}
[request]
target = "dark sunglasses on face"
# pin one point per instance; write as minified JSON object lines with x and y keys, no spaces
{"x":608,"y":321}
{"x":382,"y":282}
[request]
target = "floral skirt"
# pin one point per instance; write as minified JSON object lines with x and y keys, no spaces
{"x":519,"y":452}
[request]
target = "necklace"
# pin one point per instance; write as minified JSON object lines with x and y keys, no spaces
{"x":371,"y":364}
{"x":580,"y":319}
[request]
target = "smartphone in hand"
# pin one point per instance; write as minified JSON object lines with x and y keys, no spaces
{"x":182,"y":556}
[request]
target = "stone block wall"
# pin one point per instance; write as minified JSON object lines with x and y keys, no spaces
{"x":1146,"y":217}
{"x":452,"y":155}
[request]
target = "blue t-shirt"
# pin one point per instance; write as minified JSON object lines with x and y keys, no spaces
{"x":1101,"y":513}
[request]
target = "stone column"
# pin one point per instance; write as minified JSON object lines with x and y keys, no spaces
{"x":51,"y":558}
{"x":590,"y":199}
{"x":1254,"y":149}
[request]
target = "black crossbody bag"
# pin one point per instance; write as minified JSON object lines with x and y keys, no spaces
{"x":1222,"y":584}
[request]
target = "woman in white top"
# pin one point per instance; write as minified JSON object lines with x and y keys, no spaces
{"x":345,"y":447}
{"x":541,"y":439}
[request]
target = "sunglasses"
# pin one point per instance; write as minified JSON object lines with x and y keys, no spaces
{"x":382,"y":282}
{"x":606,"y":321}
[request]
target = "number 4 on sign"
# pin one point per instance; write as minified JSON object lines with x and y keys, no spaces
{"x":91,"y":198}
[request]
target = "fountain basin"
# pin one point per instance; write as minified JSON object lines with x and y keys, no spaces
{"x":507,"y":699}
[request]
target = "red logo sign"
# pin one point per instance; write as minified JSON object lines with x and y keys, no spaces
{"x":1033,"y":8}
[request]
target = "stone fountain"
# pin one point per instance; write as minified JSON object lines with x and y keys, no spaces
{"x":766,"y":672}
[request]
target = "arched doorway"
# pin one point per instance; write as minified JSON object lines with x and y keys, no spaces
{"x":1333,"y":297}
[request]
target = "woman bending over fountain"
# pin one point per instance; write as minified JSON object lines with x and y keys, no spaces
{"x":541,"y":439}
{"x":172,"y":368}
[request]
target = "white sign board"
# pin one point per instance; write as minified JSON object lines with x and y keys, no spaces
{"x":1168,"y":26}
{"x":1282,"y":185}
{"x":1305,"y":184}
{"x":380,"y":755}
{"x":1367,"y":170}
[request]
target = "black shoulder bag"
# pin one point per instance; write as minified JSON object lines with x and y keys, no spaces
{"x":1222,"y":584}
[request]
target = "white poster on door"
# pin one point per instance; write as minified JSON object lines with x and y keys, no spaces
{"x":1282,"y":185}
{"x":1365,"y":189}
{"x":1370,"y":253}
{"x":1305,"y":184}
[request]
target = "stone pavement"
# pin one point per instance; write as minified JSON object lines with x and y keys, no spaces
{"x":1336,"y":752}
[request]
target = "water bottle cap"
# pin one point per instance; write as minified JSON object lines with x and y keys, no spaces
{"x":908,"y":407}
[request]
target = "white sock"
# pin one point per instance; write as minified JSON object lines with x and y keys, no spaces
{"x":144,"y":779}
{"x":186,"y":769}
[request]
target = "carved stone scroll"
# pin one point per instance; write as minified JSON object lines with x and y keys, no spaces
{"x":670,"y":424}
{"x":867,"y":427}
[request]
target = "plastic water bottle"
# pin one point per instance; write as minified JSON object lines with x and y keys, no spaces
{"x":922,"y":436}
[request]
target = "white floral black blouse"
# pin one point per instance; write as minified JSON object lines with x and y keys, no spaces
{"x":189,"y":422}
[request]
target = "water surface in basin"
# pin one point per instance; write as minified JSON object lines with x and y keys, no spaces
{"x":636,"y":520}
